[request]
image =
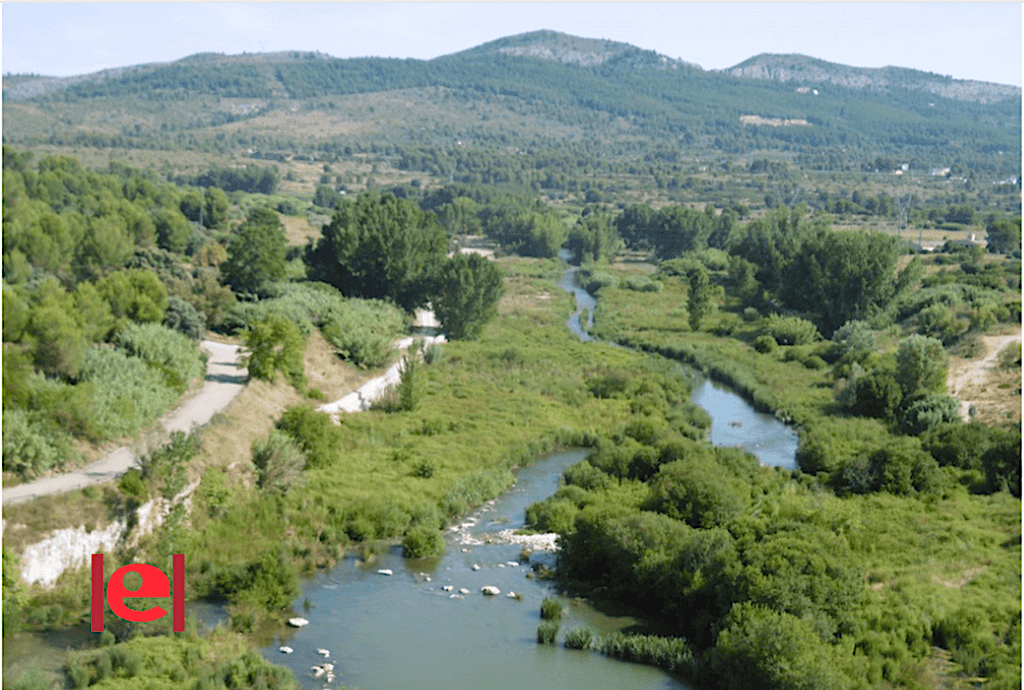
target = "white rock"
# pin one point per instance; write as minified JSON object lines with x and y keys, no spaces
{"x":490,"y":590}
{"x":511,"y":595}
{"x":286,"y":650}
{"x":448,"y":588}
{"x":323,"y":652}
{"x":456,"y":596}
{"x":463,"y":591}
{"x":317,"y":671}
{"x":385,"y":571}
{"x":477,"y":566}
{"x":514,"y":564}
{"x":297,"y":622}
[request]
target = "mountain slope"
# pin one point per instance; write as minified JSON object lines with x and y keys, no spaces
{"x":811,"y":71}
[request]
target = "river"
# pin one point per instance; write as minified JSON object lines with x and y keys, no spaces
{"x":391,"y":632}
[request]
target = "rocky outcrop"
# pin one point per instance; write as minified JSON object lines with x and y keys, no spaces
{"x":43,"y":562}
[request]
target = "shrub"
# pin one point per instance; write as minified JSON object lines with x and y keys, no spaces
{"x":790,"y":330}
{"x":578,"y":638}
{"x":315,"y":434}
{"x":672,"y":654}
{"x":546,"y":632}
{"x":126,"y":393}
{"x":928,"y":411}
{"x":765,"y":344}
{"x":854,"y":338}
{"x":31,"y":447}
{"x":434,"y":353}
{"x":132,"y":486}
{"x":551,"y":609}
{"x":170,"y":352}
{"x":279,"y":461}
{"x":422,"y":541}
{"x":182,"y":317}
{"x":642,"y":284}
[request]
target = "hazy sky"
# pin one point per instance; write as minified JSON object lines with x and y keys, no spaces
{"x":964,"y":40}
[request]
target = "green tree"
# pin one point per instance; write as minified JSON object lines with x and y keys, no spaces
{"x":594,"y":238}
{"x":699,"y":297}
{"x":468,"y":291}
{"x":921,"y":366}
{"x":256,"y":255}
{"x":136,"y":294}
{"x":215,"y":207}
{"x":275,"y":344}
{"x":1003,"y":235}
{"x":380,"y":247}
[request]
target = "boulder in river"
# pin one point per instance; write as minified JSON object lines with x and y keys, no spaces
{"x":298,"y":622}
{"x":490,"y":590}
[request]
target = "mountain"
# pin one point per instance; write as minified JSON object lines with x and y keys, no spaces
{"x":542,"y":94}
{"x":573,"y":50}
{"x":808,"y":71}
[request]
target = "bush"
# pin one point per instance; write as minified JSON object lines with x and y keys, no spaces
{"x":132,"y":486}
{"x":434,"y":353}
{"x":765,"y":344}
{"x":422,"y":541}
{"x":183,"y":318}
{"x":31,"y":447}
{"x":170,"y":352}
{"x":551,"y":609}
{"x":928,"y":411}
{"x":578,"y":638}
{"x":315,"y":433}
{"x":670,"y":653}
{"x":790,"y":330}
{"x":547,"y":631}
{"x":279,"y":460}
{"x":126,"y":393}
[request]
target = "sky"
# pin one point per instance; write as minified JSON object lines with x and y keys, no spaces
{"x":963,"y":40}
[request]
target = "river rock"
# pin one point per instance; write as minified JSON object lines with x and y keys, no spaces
{"x":298,"y":622}
{"x":490,"y":590}
{"x":477,"y":566}
{"x":286,"y":650}
{"x":385,"y":571}
{"x":463,"y":591}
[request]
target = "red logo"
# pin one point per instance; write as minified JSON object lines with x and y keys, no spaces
{"x":154,"y":585}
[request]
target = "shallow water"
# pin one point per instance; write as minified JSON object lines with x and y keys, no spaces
{"x":405,"y":630}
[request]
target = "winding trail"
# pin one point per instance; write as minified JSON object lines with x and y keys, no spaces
{"x":360,"y":399}
{"x":224,"y":380}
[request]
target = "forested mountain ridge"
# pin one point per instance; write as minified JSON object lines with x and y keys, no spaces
{"x":541,"y":91}
{"x":802,"y":69}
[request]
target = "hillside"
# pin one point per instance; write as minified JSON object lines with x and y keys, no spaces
{"x":543,"y":95}
{"x":807,"y":70}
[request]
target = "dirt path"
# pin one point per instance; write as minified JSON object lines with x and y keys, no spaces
{"x":360,"y":399}
{"x":224,"y":380}
{"x":971,"y":380}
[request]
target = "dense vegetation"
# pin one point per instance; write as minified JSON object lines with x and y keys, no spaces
{"x":899,"y":531}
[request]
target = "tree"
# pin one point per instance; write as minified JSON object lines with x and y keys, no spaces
{"x":594,"y":237}
{"x":921,"y":366}
{"x":380,"y":247}
{"x":256,"y":255}
{"x":275,"y":344}
{"x":699,"y":297}
{"x":1003,"y":235}
{"x":467,"y":298}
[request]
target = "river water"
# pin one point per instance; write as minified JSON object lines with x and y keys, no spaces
{"x":392,"y":632}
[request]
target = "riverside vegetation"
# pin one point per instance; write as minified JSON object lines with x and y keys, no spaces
{"x":898,"y":534}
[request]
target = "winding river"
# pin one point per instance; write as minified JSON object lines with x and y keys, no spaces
{"x":413,"y":628}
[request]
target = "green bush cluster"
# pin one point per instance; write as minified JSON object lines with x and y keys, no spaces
{"x":551,"y":609}
{"x":790,"y":330}
{"x":421,"y":541}
{"x":217,"y":662}
{"x":547,"y":631}
{"x":670,"y":653}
